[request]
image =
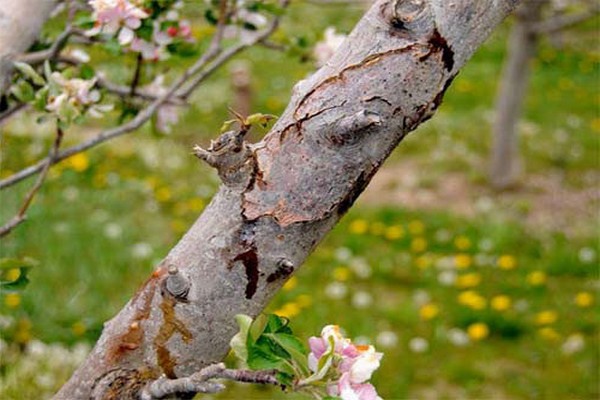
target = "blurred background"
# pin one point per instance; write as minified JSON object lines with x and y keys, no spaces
{"x":471,"y":260}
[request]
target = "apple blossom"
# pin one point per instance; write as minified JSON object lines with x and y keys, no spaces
{"x":114,"y":16}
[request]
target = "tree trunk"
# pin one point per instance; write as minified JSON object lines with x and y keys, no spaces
{"x":505,"y":165}
{"x":282,"y":195}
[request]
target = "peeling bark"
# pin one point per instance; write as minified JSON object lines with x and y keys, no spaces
{"x":287,"y":191}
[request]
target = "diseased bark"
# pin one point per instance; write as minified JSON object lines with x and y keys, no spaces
{"x":505,"y":165}
{"x":282,"y":195}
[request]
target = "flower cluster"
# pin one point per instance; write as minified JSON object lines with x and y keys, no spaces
{"x":70,"y":98}
{"x":136,"y":29}
{"x":348,"y":366}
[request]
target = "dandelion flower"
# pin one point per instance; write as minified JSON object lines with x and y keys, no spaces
{"x":429,"y":311}
{"x":546,"y":317}
{"x":500,"y":303}
{"x":536,"y":278}
{"x":506,"y":262}
{"x":584,"y":299}
{"x":478,"y":331}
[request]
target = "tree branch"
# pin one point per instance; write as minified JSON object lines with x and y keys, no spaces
{"x":204,"y":67}
{"x":200,"y":381}
{"x":20,"y":217}
{"x":565,"y":21}
{"x":342,"y":122}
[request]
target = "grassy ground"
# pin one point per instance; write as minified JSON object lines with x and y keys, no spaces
{"x":482,"y":307}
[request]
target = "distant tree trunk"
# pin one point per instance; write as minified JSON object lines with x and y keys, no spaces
{"x":505,"y":162}
{"x":281,"y":196}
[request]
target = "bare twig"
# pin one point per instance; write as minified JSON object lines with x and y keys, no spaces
{"x":565,"y":21}
{"x":200,"y":381}
{"x":22,"y":214}
{"x":209,"y":62}
{"x":39,"y":57}
{"x":136,"y":75}
{"x":122,"y":90}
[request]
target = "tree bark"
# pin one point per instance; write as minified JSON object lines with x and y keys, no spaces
{"x":280,"y":197}
{"x":20,"y":24}
{"x":505,"y":167}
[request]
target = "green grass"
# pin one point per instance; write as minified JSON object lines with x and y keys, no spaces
{"x":103,"y":220}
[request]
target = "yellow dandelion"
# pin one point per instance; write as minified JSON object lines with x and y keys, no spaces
{"x":546,"y":317}
{"x":359,"y":227}
{"x":472,"y":299}
{"x":23,"y":334}
{"x":13,"y":274}
{"x":468,"y":280}
{"x":341,"y":274}
{"x":506,"y":262}
{"x":462,"y":243}
{"x":394,"y":232}
{"x":304,"y":300}
{"x":163,"y":194}
{"x":584,"y":299}
{"x":536,"y":278}
{"x":12,"y":300}
{"x":418,"y":245}
{"x":429,"y":311}
{"x":423,"y":262}
{"x":79,"y":162}
{"x":290,"y":284}
{"x":462,"y":261}
{"x":478,"y":331}
{"x":289,"y":310}
{"x":548,"y":334}
{"x":78,"y":328}
{"x":500,"y":303}
{"x":416,"y":227}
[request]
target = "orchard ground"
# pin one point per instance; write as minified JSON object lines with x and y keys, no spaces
{"x":468,"y":292}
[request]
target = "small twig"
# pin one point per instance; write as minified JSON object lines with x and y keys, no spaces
{"x":200,"y":381}
{"x":50,"y":53}
{"x":136,"y":75}
{"x":20,"y":217}
{"x":122,"y":90}
{"x":564,"y":21}
{"x":208,"y":63}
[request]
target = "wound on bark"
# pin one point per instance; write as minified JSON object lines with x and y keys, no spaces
{"x":439,"y":43}
{"x":250,"y":260}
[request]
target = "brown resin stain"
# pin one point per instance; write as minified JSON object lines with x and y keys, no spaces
{"x":132,"y":338}
{"x":170,"y":326}
{"x":250,"y":260}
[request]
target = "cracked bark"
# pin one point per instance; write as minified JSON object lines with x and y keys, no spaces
{"x":340,"y":125}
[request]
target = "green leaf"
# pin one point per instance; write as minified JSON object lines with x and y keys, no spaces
{"x":259,"y":359}
{"x":293,"y":346}
{"x":239,"y":342}
{"x":27,"y":71}
{"x":23,"y":91}
{"x":257,"y":328}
